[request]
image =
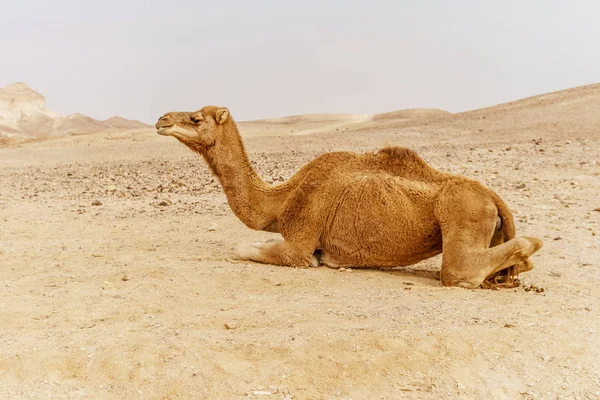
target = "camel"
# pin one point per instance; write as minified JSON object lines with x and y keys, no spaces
{"x":374,"y":210}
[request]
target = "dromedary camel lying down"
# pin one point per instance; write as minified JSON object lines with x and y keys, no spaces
{"x":383,"y":209}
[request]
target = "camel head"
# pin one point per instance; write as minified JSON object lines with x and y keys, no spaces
{"x":195,"y":129}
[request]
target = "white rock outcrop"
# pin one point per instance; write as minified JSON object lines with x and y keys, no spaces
{"x":23,"y":115}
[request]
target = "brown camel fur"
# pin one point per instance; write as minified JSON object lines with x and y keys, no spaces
{"x":382,"y":209}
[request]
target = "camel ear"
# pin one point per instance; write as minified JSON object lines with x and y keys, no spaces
{"x":221,"y":115}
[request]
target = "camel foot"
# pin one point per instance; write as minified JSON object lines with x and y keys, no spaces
{"x":314,"y":261}
{"x":247,"y":251}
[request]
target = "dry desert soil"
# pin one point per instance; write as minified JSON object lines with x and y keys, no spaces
{"x":117,"y":276}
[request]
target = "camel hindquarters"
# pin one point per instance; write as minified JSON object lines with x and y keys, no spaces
{"x":468,"y":218}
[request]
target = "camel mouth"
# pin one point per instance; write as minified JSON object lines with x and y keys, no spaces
{"x":163,"y":130}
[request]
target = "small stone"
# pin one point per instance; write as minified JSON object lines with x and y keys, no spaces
{"x":126,"y":277}
{"x":96,"y":203}
{"x":229,"y":326}
{"x":261,"y":393}
{"x":521,"y":186}
{"x":596,"y":209}
{"x":555,"y":274}
{"x":164,"y":203}
{"x":557,"y":238}
{"x":111,"y":188}
{"x":509,"y":326}
{"x":212,"y":227}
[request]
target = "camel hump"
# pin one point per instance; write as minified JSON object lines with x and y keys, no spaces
{"x":407,"y":163}
{"x":400,"y":153}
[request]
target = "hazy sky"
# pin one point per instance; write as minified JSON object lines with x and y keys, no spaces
{"x":269,"y":58}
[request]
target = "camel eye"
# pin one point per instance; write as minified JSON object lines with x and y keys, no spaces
{"x":197,"y":118}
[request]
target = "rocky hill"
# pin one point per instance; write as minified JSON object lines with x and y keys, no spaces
{"x":23,"y":115}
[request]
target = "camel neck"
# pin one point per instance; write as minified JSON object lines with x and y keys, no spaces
{"x":247,"y":194}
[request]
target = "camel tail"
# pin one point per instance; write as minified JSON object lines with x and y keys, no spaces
{"x":508,"y":276}
{"x":508,"y":223}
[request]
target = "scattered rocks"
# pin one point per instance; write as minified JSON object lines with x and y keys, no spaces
{"x":533,"y":288}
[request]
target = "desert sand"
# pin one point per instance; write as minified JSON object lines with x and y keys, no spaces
{"x":118,"y":280}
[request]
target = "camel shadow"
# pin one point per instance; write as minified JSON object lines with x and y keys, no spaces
{"x":428,"y":269}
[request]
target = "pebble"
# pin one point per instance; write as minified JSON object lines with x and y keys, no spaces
{"x":96,"y":203}
{"x":212,"y":227}
{"x":261,"y":393}
{"x":164,"y":203}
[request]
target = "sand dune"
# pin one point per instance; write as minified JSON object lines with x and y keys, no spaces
{"x":550,"y":114}
{"x":300,"y":124}
{"x":413,"y":113}
{"x":321,"y":123}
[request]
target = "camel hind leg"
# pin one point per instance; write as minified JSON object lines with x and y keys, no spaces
{"x":468,"y":221}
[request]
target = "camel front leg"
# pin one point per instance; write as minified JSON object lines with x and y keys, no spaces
{"x":278,"y":252}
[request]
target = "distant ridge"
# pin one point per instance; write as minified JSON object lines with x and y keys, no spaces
{"x":23,"y":115}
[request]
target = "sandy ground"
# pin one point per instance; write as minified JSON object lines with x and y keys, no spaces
{"x":138,"y":297}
